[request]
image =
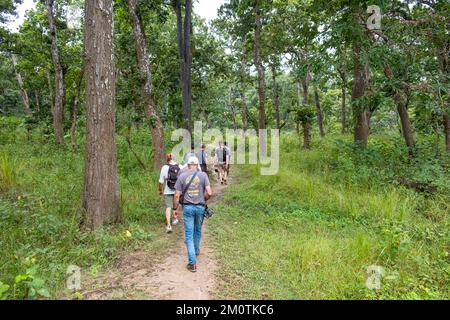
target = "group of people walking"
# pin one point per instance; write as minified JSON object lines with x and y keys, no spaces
{"x":187,"y":185}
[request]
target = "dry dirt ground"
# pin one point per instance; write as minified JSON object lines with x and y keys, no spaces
{"x":143,"y":275}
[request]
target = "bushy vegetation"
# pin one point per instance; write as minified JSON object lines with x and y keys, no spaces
{"x":312,"y":230}
{"x":40,"y":235}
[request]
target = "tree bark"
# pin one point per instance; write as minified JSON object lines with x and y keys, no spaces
{"x":305,"y":124}
{"x":319,"y":111}
{"x":306,"y":135}
{"x":76,"y":102}
{"x":58,"y":106}
{"x":446,"y":119}
{"x":261,"y":76}
{"x":23,"y":92}
{"x":276,"y":97}
{"x":405,"y":122}
{"x":101,"y":199}
{"x":244,"y":108}
{"x":150,"y":109}
{"x":184,"y":31}
{"x":360,"y":84}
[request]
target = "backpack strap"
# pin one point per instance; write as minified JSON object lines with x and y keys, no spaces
{"x":187,"y":187}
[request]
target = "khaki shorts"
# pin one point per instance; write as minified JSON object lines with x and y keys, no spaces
{"x":168,"y":200}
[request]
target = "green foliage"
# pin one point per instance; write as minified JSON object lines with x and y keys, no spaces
{"x":40,"y":234}
{"x":312,"y":230}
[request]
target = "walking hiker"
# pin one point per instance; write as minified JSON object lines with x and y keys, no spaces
{"x":167,"y":179}
{"x":222,"y":161}
{"x":229,"y":157}
{"x":189,"y":154}
{"x":203,"y":158}
{"x":193,"y":188}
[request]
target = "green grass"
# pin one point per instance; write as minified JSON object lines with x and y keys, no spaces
{"x":309,"y":232}
{"x":312,"y":230}
{"x":40,"y":234}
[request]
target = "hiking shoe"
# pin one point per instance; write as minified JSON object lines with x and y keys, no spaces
{"x":175,"y":222}
{"x":169,"y":229}
{"x":192,"y":267}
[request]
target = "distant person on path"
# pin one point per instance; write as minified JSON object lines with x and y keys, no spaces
{"x":222,"y":160}
{"x":203,"y":158}
{"x":189,"y":154}
{"x":229,"y":157}
{"x":193,"y":188}
{"x":167,"y":179}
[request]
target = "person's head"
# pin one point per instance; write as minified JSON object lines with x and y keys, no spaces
{"x":220,"y":143}
{"x":169,"y":157}
{"x":192,"y":163}
{"x":225,"y":143}
{"x":203,"y":146}
{"x":192,"y":147}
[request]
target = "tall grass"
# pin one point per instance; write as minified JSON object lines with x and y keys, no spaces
{"x":312,"y":230}
{"x":8,"y":172}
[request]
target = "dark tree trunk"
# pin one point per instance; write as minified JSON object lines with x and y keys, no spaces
{"x":58,"y":106}
{"x":405,"y":122}
{"x":76,"y":103}
{"x":150,"y":109}
{"x":23,"y":92}
{"x":261,"y":77}
{"x":244,"y":108}
{"x":443,"y":56}
{"x":306,"y":135}
{"x":101,"y":198}
{"x":360,"y":84}
{"x":318,"y":111}
{"x":446,"y":119}
{"x":276,"y":97}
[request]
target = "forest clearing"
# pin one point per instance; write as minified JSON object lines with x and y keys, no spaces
{"x":101,"y":100}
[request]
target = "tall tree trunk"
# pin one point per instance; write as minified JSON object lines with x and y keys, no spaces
{"x":443,"y":56}
{"x":23,"y":92}
{"x":306,"y":135}
{"x":342,"y":73}
{"x":318,"y":111}
{"x":261,"y":77}
{"x":50,"y":89}
{"x":446,"y":119}
{"x":360,"y":84}
{"x":58,"y":107}
{"x":76,"y":102}
{"x":276,"y":97}
{"x":305,"y":124}
{"x":101,"y":198}
{"x":151,"y":112}
{"x":244,"y":108}
{"x":405,"y":122}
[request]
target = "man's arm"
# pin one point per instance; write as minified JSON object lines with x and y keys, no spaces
{"x":208,"y":193}
{"x":176,"y":199}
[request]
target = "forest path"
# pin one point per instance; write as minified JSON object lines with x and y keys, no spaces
{"x":141,"y":275}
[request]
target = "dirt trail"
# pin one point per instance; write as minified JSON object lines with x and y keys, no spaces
{"x":139,"y":275}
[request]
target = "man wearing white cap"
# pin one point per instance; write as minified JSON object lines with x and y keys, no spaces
{"x":194,"y":189}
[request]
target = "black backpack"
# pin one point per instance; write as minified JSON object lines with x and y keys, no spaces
{"x":172,"y":176}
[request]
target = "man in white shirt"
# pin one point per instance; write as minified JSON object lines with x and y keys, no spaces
{"x":167,"y":179}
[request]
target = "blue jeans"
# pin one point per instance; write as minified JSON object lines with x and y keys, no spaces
{"x":193,"y":222}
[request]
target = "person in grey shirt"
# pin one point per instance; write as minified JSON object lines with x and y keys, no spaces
{"x":197,"y":190}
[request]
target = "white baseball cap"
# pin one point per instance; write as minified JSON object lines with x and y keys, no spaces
{"x":193,"y":160}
